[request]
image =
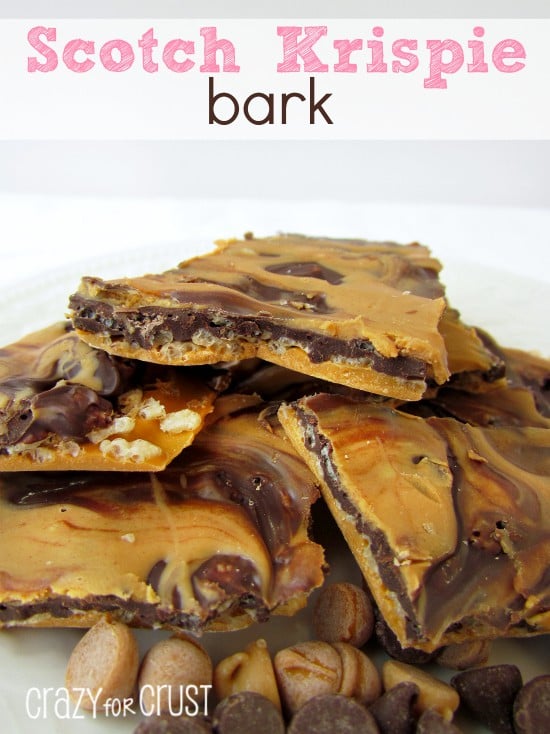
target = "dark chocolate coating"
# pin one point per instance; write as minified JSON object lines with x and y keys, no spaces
{"x":390,"y":643}
{"x":149,"y":326}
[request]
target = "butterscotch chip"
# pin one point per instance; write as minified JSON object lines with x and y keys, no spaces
{"x":361,"y":314}
{"x":431,"y":510}
{"x":104,"y":665}
{"x":247,"y":712}
{"x":216,"y":541}
{"x":343,"y":613}
{"x":67,"y":406}
{"x":174,"y":676}
{"x":332,"y":714}
{"x":432,"y":692}
{"x":250,"y":670}
{"x":306,"y":670}
{"x":464,"y":655}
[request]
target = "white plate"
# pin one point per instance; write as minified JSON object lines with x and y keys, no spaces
{"x":514,"y":308}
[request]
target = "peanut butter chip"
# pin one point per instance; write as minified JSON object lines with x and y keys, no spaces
{"x":168,"y":670}
{"x":343,"y":613}
{"x":306,"y":670}
{"x":105,"y":663}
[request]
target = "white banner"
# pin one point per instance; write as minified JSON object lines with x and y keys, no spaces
{"x":229,"y":79}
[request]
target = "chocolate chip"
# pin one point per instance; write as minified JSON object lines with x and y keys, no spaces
{"x":532,"y":707}
{"x":333,"y":714}
{"x":431,"y":722}
{"x":393,"y":711}
{"x":393,"y":647}
{"x":489,"y":693}
{"x":171,"y":725}
{"x":247,"y":713}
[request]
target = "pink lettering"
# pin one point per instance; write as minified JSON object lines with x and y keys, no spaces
{"x":211,"y":46}
{"x":148,"y":42}
{"x":70,"y":51}
{"x":34,"y":38}
{"x":170,"y":51}
{"x":345,"y":49}
{"x":508,"y":49}
{"x":292,"y":48}
{"x":438,"y":66}
{"x":478,"y":52}
{"x":377,"y":48}
{"x":124,"y":52}
{"x":398,"y":50}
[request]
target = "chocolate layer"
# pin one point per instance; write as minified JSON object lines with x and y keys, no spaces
{"x":361,"y":314}
{"x":150,"y":327}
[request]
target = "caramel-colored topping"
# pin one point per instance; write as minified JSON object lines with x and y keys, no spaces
{"x":473,"y":365}
{"x":504,"y":406}
{"x":66,"y":405}
{"x":450,"y":523}
{"x":226,"y":521}
{"x":532,"y":371}
{"x":362,"y":314}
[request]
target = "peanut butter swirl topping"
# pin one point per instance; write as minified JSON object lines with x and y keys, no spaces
{"x":215,"y":541}
{"x":449,"y":522}
{"x":361,"y":314}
